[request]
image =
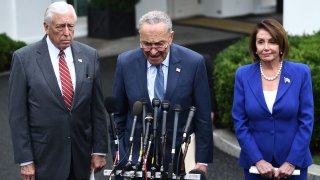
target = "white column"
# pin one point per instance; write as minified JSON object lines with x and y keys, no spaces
{"x":148,"y":5}
{"x":301,"y":17}
{"x":29,"y":19}
{"x":8,"y":18}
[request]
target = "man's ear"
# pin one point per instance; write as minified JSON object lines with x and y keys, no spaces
{"x":46,"y":26}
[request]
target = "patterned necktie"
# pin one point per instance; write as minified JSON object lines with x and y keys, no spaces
{"x":66,"y":82}
{"x":159,"y":83}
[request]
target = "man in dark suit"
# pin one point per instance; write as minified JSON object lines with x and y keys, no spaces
{"x":56,"y":108}
{"x":185,"y":83}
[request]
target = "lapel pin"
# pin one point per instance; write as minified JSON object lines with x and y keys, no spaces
{"x":80,"y":60}
{"x":178,"y":69}
{"x":286,"y":80}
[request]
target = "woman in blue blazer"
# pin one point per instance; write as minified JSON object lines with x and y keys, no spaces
{"x":273,"y":107}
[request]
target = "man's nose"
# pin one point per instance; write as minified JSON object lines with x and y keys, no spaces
{"x":66,"y":30}
{"x":153,"y":50}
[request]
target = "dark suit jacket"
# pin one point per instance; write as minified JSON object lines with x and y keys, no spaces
{"x":187,"y":85}
{"x":42,"y":128}
{"x":283,"y":135}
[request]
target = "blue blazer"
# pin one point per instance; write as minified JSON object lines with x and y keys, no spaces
{"x":187,"y":86}
{"x":283,"y":135}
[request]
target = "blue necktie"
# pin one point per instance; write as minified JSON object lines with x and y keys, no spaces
{"x":159,"y":83}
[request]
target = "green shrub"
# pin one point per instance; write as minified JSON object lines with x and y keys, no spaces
{"x":304,"y":49}
{"x":7,"y":47}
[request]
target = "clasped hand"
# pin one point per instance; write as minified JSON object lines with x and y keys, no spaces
{"x":266,"y":170}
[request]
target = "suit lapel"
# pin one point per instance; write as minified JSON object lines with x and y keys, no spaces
{"x":45,"y":64}
{"x":284,"y":83}
{"x":174,"y":71}
{"x":255,"y":83}
{"x":81,"y":66}
{"x":141,"y":75}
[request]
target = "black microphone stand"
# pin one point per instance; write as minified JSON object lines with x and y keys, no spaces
{"x":155,"y":157}
{"x":110,"y":105}
{"x":144,"y":113}
{"x":137,"y":108}
{"x":177,"y":109}
{"x":186,"y":138}
{"x":165,"y":107}
{"x":138,"y":165}
{"x":145,"y":152}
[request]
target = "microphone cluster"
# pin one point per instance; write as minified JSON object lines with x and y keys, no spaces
{"x":150,"y":138}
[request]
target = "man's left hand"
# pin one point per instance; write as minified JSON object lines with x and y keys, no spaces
{"x":97,"y":162}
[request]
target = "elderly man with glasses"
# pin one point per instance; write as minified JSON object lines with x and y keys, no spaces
{"x":170,"y":73}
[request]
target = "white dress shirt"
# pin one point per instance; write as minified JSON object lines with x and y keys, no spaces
{"x":152,"y":73}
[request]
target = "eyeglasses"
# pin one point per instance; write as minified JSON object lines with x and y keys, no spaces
{"x":60,"y":27}
{"x":159,"y":46}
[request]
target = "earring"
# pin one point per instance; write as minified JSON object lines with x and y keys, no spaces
{"x":256,"y":52}
{"x":281,"y":53}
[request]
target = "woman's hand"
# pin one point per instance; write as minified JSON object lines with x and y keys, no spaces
{"x":284,"y":171}
{"x":265,"y":169}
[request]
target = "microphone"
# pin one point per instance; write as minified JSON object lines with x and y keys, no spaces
{"x":110,"y":105}
{"x":137,"y":108}
{"x":156,"y":105}
{"x":176,"y":109}
{"x":190,"y":117}
{"x":149,"y":120}
{"x":144,"y":102}
{"x":155,"y":156}
{"x":165,"y":107}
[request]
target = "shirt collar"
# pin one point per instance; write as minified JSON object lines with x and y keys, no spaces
{"x":52,"y":48}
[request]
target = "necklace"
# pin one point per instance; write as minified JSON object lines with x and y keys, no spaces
{"x":273,"y":77}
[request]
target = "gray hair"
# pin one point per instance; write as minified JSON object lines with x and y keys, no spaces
{"x":60,"y":7}
{"x":155,"y":17}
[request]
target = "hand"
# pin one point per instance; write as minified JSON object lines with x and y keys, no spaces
{"x":284,"y":171}
{"x":97,"y":162}
{"x":201,"y":167}
{"x":266,"y":169}
{"x":27,"y":172}
{"x":212,"y":116}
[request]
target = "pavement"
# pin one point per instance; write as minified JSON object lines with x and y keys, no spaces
{"x":204,"y":40}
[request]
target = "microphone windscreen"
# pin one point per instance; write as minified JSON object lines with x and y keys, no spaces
{"x":177,"y":107}
{"x":165,"y":105}
{"x":155,"y":102}
{"x":144,"y":100}
{"x":137,"y":108}
{"x":197,"y":171}
{"x":110,"y":104}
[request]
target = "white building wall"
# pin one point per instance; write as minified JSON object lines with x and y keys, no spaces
{"x":8,"y":17}
{"x":29,"y":19}
{"x":148,"y":5}
{"x":233,"y":8}
{"x":23,"y":20}
{"x":301,"y":17}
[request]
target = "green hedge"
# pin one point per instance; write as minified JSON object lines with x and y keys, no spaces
{"x":304,"y":49}
{"x":7,"y":47}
